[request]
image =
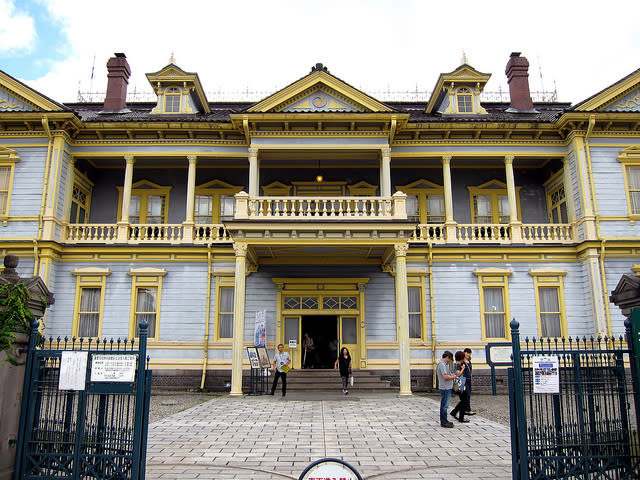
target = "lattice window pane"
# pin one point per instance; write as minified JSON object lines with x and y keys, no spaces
{"x":331,"y":303}
{"x":89,"y":314}
{"x":309,"y":303}
{"x":292,"y":303}
{"x":225,"y":313}
{"x":349,"y":302}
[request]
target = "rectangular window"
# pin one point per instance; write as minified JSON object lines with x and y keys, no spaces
{"x":89,"y":301}
{"x":155,"y":209}
{"x":227,"y":207}
{"x":225,"y":312}
{"x":89,"y":312}
{"x":494,"y":302}
{"x":435,"y":209}
{"x":633,"y":188}
{"x":146,"y":308}
{"x":550,"y":303}
{"x":415,"y":312}
{"x":79,"y":205}
{"x":203,"y":209}
{"x":494,"y":314}
{"x":482,"y":204}
{"x":146,"y":287}
{"x":413,"y":208}
{"x":172,"y":104}
{"x":134,"y":209}
{"x":5,"y":183}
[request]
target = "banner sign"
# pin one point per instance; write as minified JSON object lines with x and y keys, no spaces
{"x":73,"y":370}
{"x":261,"y":329}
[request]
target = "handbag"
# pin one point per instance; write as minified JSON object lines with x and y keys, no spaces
{"x":351,"y":380}
{"x":459,"y":384}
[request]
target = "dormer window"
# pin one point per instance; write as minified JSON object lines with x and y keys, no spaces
{"x":172,"y":100}
{"x":464,"y":99}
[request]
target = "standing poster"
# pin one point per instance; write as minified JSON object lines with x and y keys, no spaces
{"x":261,"y":329}
{"x":546,"y":374}
{"x":252,"y":353}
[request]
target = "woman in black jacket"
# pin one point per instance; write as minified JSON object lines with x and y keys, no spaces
{"x":344,"y":364}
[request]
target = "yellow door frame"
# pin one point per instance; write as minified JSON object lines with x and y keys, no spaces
{"x":341,"y":297}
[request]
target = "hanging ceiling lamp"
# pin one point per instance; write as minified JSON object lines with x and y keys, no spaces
{"x":319,"y":176}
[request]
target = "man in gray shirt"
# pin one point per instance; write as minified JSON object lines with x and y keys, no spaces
{"x":445,"y":385}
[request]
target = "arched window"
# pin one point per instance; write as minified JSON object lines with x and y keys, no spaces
{"x":464,"y":99}
{"x":172,"y":98}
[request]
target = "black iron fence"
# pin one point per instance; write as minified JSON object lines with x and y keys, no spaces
{"x":572,"y":409}
{"x":85,"y":409}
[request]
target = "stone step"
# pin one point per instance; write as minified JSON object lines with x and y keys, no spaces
{"x":329,"y":380}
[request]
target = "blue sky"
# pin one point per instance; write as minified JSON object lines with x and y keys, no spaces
{"x":576,"y":47}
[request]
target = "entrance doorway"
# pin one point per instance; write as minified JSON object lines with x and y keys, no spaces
{"x":323,"y":330}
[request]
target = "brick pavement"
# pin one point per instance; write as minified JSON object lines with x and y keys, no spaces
{"x":382,"y":435}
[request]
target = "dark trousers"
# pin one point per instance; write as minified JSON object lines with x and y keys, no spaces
{"x":275,"y":382}
{"x":461,"y":407}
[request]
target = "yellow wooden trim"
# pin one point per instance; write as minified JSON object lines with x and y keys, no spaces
{"x":144,"y":282}
{"x":556,"y":282}
{"x":97,"y":281}
{"x":27,"y":95}
{"x":486,"y":190}
{"x":222,"y":282}
{"x":546,"y":271}
{"x":611,"y":93}
{"x":494,"y":281}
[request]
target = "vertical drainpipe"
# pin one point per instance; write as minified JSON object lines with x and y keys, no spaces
{"x":205,"y":353}
{"x":604,"y":287}
{"x":43,"y":200}
{"x":434,"y":365}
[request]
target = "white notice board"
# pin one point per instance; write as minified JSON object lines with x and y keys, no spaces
{"x":113,"y":368}
{"x":73,"y":370}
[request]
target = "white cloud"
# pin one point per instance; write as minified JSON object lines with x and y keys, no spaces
{"x":375,"y":45}
{"x":17,"y":30}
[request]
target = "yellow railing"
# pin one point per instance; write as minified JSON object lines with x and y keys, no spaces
{"x":549,"y":233}
{"x":91,"y":233}
{"x":495,"y":233}
{"x":321,"y":208}
{"x":483,"y":233}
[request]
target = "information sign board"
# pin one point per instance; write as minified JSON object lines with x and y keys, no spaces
{"x":546,"y":374}
{"x":113,"y":368}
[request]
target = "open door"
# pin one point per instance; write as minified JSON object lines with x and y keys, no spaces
{"x":349,"y":338}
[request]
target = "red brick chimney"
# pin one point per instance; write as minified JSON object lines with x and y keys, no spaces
{"x":118,"y":78}
{"x":518,"y":78}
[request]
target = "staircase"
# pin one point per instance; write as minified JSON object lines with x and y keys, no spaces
{"x":321,"y":380}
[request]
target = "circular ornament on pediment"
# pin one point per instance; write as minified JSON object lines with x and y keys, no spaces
{"x":319,"y":101}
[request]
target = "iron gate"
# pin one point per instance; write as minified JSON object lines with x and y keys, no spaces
{"x":97,"y":431}
{"x":586,"y":430}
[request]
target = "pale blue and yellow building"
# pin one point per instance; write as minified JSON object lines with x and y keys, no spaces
{"x":397,"y":229}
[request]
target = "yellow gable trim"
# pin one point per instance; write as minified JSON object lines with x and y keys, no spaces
{"x":91,"y":271}
{"x":611,"y":94}
{"x":26,"y":94}
{"x":317,"y":79}
{"x":492,"y":271}
{"x":148,"y":271}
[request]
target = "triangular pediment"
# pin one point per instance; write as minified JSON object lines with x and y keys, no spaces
{"x":622,"y":96}
{"x":173,"y":75}
{"x":15,"y":96}
{"x":419,"y":184}
{"x":463,"y":76}
{"x":319,"y":92}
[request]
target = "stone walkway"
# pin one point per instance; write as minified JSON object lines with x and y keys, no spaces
{"x":382,"y":435}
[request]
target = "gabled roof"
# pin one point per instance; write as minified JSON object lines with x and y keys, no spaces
{"x":319,"y":91}
{"x":174,"y":74}
{"x":465,"y":74}
{"x":622,"y":96}
{"x":15,"y":96}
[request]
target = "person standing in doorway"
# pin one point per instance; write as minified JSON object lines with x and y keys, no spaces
{"x":343,"y":363}
{"x":281,"y":362}
{"x":467,"y":375}
{"x":445,"y":385}
{"x":309,"y":351}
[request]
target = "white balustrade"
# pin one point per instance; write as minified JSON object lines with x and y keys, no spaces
{"x":210,"y":234}
{"x":155,"y":232}
{"x":91,"y":233}
{"x":326,"y":208}
{"x":483,"y":233}
{"x":548,"y":233}
{"x":431,"y":233}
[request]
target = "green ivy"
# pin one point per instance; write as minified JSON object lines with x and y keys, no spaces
{"x":15,"y":317}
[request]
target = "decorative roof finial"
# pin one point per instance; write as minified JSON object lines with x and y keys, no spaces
{"x":172,"y":58}
{"x":319,"y":66}
{"x":464,"y":59}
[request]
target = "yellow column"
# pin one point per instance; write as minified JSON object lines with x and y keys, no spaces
{"x":55,"y":172}
{"x":516,"y":224}
{"x":191,"y":198}
{"x":68,"y":189}
{"x":254,"y":173}
{"x":450,"y":224}
{"x":588,"y":216}
{"x":240,"y":250}
{"x":385,"y":173}
{"x":402,"y":315}
{"x":123,"y":224}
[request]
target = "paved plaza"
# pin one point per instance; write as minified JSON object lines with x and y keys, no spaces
{"x":382,"y":435}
